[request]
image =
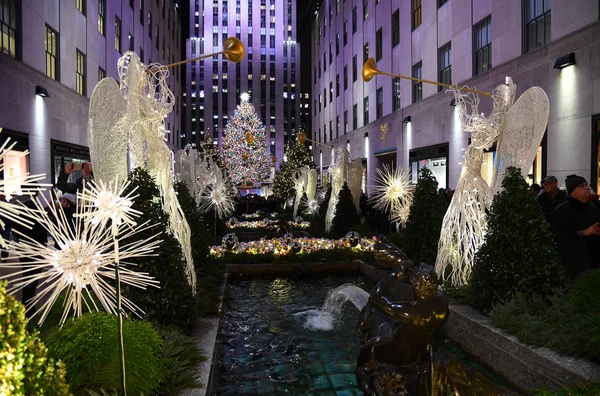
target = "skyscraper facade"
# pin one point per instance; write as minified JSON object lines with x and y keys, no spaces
{"x":389,"y":120}
{"x":52,"y":55}
{"x":268,"y":71}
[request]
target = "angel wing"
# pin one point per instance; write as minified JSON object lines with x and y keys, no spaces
{"x":107,"y":132}
{"x":524,"y":129}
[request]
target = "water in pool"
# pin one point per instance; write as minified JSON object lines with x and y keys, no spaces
{"x":274,"y":339}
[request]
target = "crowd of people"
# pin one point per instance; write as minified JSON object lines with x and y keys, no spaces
{"x":573,"y":215}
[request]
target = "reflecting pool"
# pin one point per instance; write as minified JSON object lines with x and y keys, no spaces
{"x":273,"y":342}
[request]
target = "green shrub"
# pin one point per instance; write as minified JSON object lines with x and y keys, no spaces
{"x":584,"y":293}
{"x":518,"y":254}
{"x":583,"y":389}
{"x":424,"y":224}
{"x":181,"y":357}
{"x":346,"y":214}
{"x":25,"y":365}
{"x":551,"y":322}
{"x":325,"y":203}
{"x":173,"y":303}
{"x":89,"y":348}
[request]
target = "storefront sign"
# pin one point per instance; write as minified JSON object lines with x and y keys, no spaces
{"x":70,"y":150}
{"x":429,"y":152}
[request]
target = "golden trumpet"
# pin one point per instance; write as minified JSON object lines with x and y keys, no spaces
{"x":370,"y":70}
{"x":233,"y":49}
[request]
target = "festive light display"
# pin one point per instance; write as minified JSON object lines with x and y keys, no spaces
{"x":83,"y":264}
{"x":252,"y":215}
{"x":393,"y":193}
{"x":265,"y":224}
{"x":283,"y":246}
{"x":245,"y":149}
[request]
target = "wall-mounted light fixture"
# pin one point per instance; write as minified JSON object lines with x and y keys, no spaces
{"x":565,"y":60}
{"x":41,"y":91}
{"x":406,"y":120}
{"x":453,"y":102}
{"x":366,"y":134}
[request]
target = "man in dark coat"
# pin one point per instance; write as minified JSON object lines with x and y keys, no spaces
{"x":62,"y":183}
{"x":576,"y":228}
{"x":551,"y":197}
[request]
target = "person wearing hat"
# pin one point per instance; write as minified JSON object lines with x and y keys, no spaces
{"x":551,"y":197}
{"x":576,"y":228}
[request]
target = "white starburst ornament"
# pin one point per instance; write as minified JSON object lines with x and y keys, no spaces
{"x":217,"y":197}
{"x":83,"y":265}
{"x":393,"y":193}
{"x":109,"y":204}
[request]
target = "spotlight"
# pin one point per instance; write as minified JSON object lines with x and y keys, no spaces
{"x":406,"y":120}
{"x":41,"y":91}
{"x":366,"y":134}
{"x":453,"y":102}
{"x":564,"y":61}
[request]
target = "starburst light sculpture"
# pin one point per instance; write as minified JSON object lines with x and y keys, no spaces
{"x":393,"y":193}
{"x":82,"y":264}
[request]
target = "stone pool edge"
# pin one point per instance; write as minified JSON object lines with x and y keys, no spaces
{"x":524,"y":366}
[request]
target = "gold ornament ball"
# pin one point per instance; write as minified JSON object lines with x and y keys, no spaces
{"x":274,"y":159}
{"x":249,"y":138}
{"x":244,"y":156}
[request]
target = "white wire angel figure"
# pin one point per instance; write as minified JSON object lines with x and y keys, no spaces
{"x":518,"y":129}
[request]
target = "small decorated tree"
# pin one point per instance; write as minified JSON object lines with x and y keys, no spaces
{"x":245,"y":150}
{"x":424,"y":224}
{"x":345,"y":212}
{"x":518,"y":254}
{"x":296,"y":157}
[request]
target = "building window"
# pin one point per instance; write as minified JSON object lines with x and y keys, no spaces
{"x":445,"y":66}
{"x":355,"y":116}
{"x":345,"y":77}
{"x":8,"y":27}
{"x":149,"y":24}
{"x":416,"y":12}
{"x":51,"y":53}
{"x":337,"y":85}
{"x":354,"y":20}
{"x":345,"y":122}
{"x":101,"y":16}
{"x":101,"y":74}
{"x":337,"y":44}
{"x":345,"y":32}
{"x":366,"y":110}
{"x":80,"y":4}
{"x":483,"y":45}
{"x":330,"y":91}
{"x":379,"y":109}
{"x":396,"y":94}
{"x":537,"y":24}
{"x":354,"y":68}
{"x":379,"y":45}
{"x":365,"y":9}
{"x":417,"y":91}
{"x":117,"y":34}
{"x":365,"y":52}
{"x":396,"y":28}
{"x":80,"y":73}
{"x":131,"y":42}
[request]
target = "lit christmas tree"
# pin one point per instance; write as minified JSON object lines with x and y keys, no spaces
{"x":296,"y":157}
{"x":245,"y":150}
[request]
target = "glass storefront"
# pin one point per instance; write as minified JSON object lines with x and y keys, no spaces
{"x":15,"y":162}
{"x":65,"y":153}
{"x":535,"y":174}
{"x":435,"y":158}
